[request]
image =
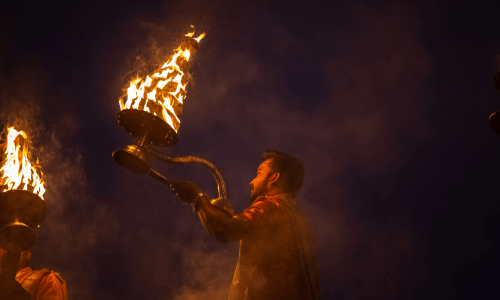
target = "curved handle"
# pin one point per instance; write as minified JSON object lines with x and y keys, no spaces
{"x":221,"y":185}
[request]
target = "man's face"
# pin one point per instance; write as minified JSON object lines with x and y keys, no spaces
{"x":260,"y":184}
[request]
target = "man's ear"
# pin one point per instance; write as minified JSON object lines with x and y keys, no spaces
{"x":274,"y":178}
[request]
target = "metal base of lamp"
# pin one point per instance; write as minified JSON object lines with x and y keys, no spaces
{"x":133,"y":158}
{"x":139,"y":123}
{"x":20,"y":213}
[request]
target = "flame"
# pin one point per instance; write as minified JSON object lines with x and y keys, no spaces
{"x":17,"y":172}
{"x":162,"y":93}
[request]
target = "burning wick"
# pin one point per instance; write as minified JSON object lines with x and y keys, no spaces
{"x":17,"y":172}
{"x":162,"y":93}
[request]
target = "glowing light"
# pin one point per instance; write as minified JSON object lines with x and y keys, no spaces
{"x":163,"y":92}
{"x":17,"y":172}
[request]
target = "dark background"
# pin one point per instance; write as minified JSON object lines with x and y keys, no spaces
{"x":386,"y":103}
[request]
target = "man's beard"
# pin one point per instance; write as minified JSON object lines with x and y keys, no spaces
{"x":260,"y":191}
{"x":253,"y":196}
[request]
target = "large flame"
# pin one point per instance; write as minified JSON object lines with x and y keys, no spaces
{"x":163,"y":92}
{"x":17,"y":172}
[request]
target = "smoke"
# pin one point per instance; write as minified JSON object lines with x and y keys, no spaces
{"x":208,"y":275}
{"x":195,"y":270}
{"x":169,"y":254}
{"x":245,"y":102}
{"x":76,"y":222}
{"x":346,"y":100}
{"x":19,"y":101}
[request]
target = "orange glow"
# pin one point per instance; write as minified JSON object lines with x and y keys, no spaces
{"x":17,"y":172}
{"x":163,"y":92}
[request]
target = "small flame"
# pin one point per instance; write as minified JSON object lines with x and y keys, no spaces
{"x":162,"y":93}
{"x":17,"y":172}
{"x":198,"y":39}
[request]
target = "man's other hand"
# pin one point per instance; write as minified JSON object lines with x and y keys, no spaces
{"x":187,"y":191}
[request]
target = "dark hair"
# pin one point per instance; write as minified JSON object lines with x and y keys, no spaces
{"x":290,"y":168}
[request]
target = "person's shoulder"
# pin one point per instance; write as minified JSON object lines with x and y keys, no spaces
{"x":278,"y":199}
{"x":39,"y":273}
{"x":57,"y":276}
{"x":48,"y":275}
{"x":272,"y":201}
{"x":261,"y":205}
{"x":266,"y":201}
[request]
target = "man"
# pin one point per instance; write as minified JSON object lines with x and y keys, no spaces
{"x":276,"y":261}
{"x":35,"y":285}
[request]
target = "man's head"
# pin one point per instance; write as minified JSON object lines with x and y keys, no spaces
{"x":279,"y":173}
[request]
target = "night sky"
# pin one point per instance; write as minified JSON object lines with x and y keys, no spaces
{"x":385,"y":102}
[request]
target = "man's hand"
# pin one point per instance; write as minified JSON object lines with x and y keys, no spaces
{"x":187,"y":191}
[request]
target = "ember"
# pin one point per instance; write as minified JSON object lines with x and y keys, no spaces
{"x":17,"y":172}
{"x":162,"y":93}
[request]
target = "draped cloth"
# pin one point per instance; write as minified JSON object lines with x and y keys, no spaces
{"x":276,"y":259}
{"x":42,"y":284}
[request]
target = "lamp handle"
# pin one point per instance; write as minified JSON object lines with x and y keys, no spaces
{"x":221,"y":185}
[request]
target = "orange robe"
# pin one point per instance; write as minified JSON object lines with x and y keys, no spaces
{"x":42,"y":284}
{"x":276,"y":260}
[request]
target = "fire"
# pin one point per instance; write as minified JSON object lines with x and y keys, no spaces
{"x":17,"y":172}
{"x":162,"y":93}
